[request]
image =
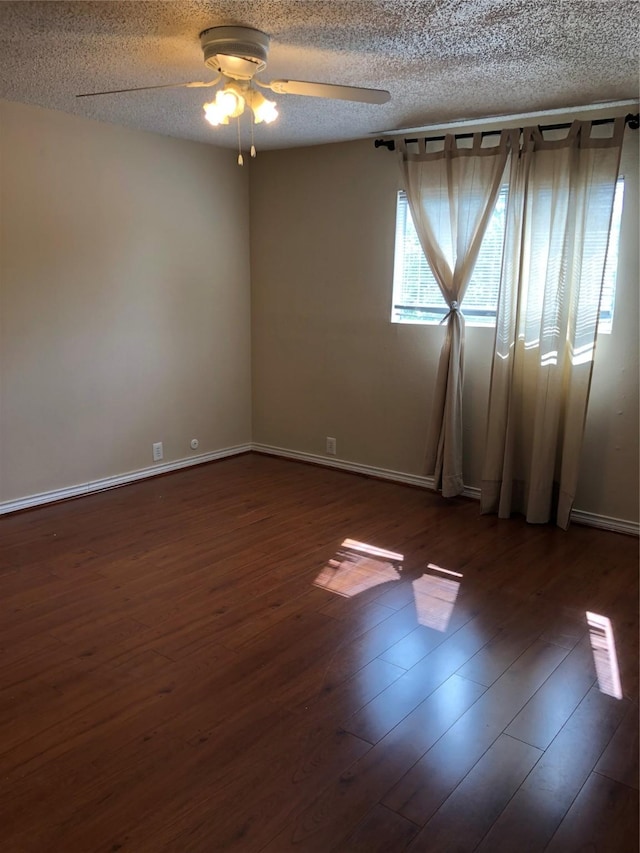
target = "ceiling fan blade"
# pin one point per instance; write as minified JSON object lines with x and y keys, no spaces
{"x":146,"y":88}
{"x":329,"y":90}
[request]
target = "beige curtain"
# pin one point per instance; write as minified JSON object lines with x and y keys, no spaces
{"x":452,"y":194}
{"x":558,"y":218}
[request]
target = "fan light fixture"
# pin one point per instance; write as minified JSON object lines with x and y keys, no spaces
{"x":238,"y":54}
{"x":230,"y":102}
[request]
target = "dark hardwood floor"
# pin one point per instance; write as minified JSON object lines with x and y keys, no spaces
{"x":198,"y":662}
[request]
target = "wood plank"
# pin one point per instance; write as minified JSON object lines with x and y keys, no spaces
{"x":380,"y":832}
{"x":536,"y":810}
{"x":431,"y":780}
{"x":619,"y":761}
{"x":328,"y":818}
{"x":551,"y":706}
{"x":384,"y":712}
{"x":336,"y":701}
{"x":604,"y":816}
{"x":355,"y":654}
{"x":479,"y":798}
{"x":412,"y":648}
{"x":297,"y":764}
{"x":514,"y":637}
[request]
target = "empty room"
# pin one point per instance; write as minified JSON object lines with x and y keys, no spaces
{"x":319,"y":426}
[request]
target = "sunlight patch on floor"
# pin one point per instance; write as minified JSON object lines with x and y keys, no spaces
{"x":357,"y":567}
{"x":605,"y":657}
{"x":435,"y":597}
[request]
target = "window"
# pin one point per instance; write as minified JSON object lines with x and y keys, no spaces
{"x":417,"y":297}
{"x":608,"y":298}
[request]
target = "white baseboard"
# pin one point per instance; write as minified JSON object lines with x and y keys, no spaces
{"x":617,"y":525}
{"x":119,"y":480}
{"x":471,"y":492}
{"x":604,"y":522}
{"x":353,"y":467}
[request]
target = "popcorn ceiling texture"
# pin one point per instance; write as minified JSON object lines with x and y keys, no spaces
{"x":442,"y":60}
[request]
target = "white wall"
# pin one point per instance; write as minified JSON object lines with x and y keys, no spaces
{"x":124,"y":300}
{"x":328,"y":362}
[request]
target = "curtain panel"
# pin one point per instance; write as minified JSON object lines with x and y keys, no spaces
{"x":452,"y":193}
{"x":559,"y":212}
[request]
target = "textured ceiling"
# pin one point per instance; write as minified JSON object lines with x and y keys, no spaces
{"x":442,"y":60}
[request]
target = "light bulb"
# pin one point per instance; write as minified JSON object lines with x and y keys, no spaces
{"x":214,"y":115}
{"x":263,"y":110}
{"x":267,"y":112}
{"x":231,"y":101}
{"x":228,"y":103}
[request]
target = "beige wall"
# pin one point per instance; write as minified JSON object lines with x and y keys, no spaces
{"x":124,"y":300}
{"x":327,"y":361}
{"x":608,"y":482}
{"x":125,"y":312}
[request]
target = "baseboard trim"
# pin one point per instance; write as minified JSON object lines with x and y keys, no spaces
{"x":589,"y":519}
{"x":471,"y":492}
{"x":603,"y":522}
{"x":119,"y":480}
{"x":353,"y":467}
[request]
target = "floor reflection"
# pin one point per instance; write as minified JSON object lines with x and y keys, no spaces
{"x":435,"y":597}
{"x":604,"y":654}
{"x":357,"y":567}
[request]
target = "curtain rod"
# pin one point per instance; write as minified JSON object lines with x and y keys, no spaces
{"x":633,"y":120}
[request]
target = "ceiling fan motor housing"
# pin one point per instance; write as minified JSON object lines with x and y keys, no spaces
{"x":238,"y":52}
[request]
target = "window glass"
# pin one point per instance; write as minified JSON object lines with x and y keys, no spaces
{"x":417,"y":297}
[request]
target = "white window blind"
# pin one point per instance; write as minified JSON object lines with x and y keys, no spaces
{"x":417,"y":297}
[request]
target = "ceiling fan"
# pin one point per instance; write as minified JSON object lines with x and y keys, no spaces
{"x":238,"y":54}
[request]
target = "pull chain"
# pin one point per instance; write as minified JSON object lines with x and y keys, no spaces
{"x":253,"y":147}
{"x":240,"y":157}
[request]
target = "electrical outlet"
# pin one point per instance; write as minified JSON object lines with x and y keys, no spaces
{"x":157,"y":451}
{"x":331,"y":446}
{"x":194,"y":443}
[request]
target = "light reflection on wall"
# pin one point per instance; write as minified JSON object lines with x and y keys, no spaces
{"x":435,"y":597}
{"x":358,"y":567}
{"x":604,"y":654}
